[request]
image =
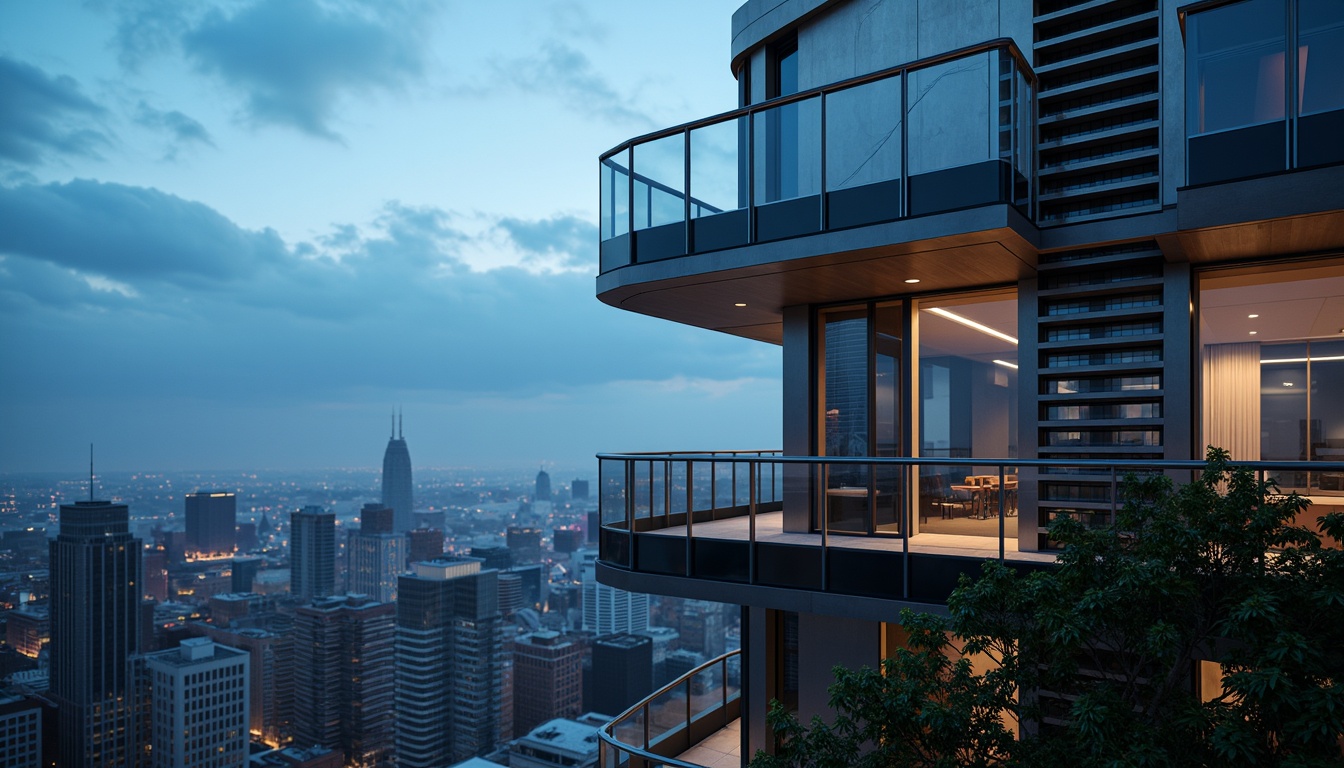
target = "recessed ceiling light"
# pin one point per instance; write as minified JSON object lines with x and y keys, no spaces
{"x":1007,"y":364}
{"x":1252,"y":316}
{"x":739,"y":304}
{"x":969,"y":323}
{"x":912,"y":280}
{"x":1287,"y":383}
{"x":1254,"y":332}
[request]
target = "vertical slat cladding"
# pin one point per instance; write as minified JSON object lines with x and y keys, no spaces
{"x":1098,"y":108}
{"x":1102,"y":367}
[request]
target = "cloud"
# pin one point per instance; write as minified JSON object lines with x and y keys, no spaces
{"x":566,"y":73}
{"x":565,"y":241}
{"x":130,"y":234}
{"x":180,"y":127}
{"x":40,"y":115}
{"x":147,"y":28}
{"x":158,"y":285}
{"x":295,"y":59}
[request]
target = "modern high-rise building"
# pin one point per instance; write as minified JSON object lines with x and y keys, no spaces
{"x":622,"y":673}
{"x":312,"y":553}
{"x":28,"y":629}
{"x":425,"y":544}
{"x":22,"y":736}
{"x":375,"y":556}
{"x":199,"y":705}
{"x":542,"y":492}
{"x":245,"y":570}
{"x":271,"y":678}
{"x":398,"y":490}
{"x":578,"y":490}
{"x":702,"y":627}
{"x":95,"y":630}
{"x":345,"y":672}
{"x":547,"y":678}
{"x":212,"y":519}
{"x":608,"y":610}
{"x":990,"y":239}
{"x":524,"y":542}
{"x":450,"y":663}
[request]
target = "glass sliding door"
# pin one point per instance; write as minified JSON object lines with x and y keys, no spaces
{"x":888,"y":331}
{"x":845,"y":412}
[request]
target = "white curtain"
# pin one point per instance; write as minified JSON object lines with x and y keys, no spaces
{"x":1232,"y":398}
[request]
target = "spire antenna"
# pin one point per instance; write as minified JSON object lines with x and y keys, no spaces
{"x":90,"y":471}
{"x":400,"y":433}
{"x":394,"y":425}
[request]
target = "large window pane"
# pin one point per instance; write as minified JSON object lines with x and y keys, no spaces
{"x":967,"y":409}
{"x":845,"y":411}
{"x":1320,"y":55}
{"x":1235,"y":73}
{"x":1327,"y":412}
{"x":1283,"y":407}
{"x":888,"y":320}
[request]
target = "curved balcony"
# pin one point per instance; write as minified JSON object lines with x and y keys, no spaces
{"x":663,"y":729}
{"x":943,"y":134}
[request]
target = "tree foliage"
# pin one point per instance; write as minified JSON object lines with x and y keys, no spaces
{"x":1096,"y":661}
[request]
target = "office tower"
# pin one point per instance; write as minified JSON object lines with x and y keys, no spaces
{"x":398,"y":490}
{"x":312,"y":553}
{"x":510,"y":594}
{"x":211,"y":523}
{"x":247,"y":537}
{"x":450,"y":663}
{"x":702,"y":627}
{"x":425,"y":544}
{"x":608,"y":610}
{"x":95,"y":629}
{"x":24,"y":733}
{"x":492,"y":555}
{"x":270,"y":677}
{"x":155,"y":565}
{"x":622,"y":672}
{"x":525,"y":544}
{"x":548,"y":679}
{"x":374,"y":555}
{"x":199,"y":700}
{"x":567,"y":539}
{"x":532,"y":581}
{"x":345,"y":670}
{"x":28,"y":629}
{"x":543,"y":487}
{"x":594,"y":526}
{"x":245,"y":570}
{"x":578,"y":490}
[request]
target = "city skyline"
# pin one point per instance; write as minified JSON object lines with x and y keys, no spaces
{"x":255,"y":256}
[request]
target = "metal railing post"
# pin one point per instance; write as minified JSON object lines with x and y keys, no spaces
{"x":751,"y":527}
{"x":907,"y":526}
{"x":690,"y":512}
{"x":1002,"y":494}
{"x":825,"y":520}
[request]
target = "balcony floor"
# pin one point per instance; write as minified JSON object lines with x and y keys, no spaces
{"x":770,"y":528}
{"x":723,"y":749}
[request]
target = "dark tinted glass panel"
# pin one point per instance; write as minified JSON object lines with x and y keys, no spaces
{"x":1327,"y":412}
{"x":1320,"y":55}
{"x":1283,"y":408}
{"x":1235,"y":74}
{"x":846,"y":417}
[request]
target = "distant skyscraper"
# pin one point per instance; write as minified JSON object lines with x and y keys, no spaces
{"x":211,"y":523}
{"x":543,"y":487}
{"x":95,"y":628}
{"x":199,"y":705}
{"x":450,"y":664}
{"x":624,"y":672}
{"x":312,"y":553}
{"x":702,"y":628}
{"x":271,"y":676}
{"x":245,"y":570}
{"x":426,"y":544}
{"x":607,"y":610}
{"x":374,"y":555}
{"x":345,"y":670}
{"x":547,"y":679}
{"x":578,"y":490}
{"x":525,"y":544}
{"x":397,"y":487}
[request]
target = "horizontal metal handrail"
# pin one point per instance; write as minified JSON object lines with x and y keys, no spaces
{"x":1158,"y":464}
{"x":1003,"y":43}
{"x":606,"y":735}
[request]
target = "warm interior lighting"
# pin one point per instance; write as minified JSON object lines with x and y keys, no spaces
{"x":1252,"y":316}
{"x":912,"y":280}
{"x":1332,"y":358}
{"x":1007,"y":364}
{"x":1287,"y":383}
{"x":740,"y":304}
{"x":1254,"y":332}
{"x":969,"y":323}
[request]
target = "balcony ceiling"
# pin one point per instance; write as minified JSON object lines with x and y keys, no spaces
{"x":963,"y":250}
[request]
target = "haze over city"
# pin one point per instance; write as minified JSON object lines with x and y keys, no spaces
{"x":236,"y":235}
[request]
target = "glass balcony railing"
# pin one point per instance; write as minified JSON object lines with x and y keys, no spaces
{"x":675,"y":718}
{"x":860,"y":523}
{"x":941,"y":134}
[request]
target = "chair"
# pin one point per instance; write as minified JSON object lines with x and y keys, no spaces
{"x":952,"y":498}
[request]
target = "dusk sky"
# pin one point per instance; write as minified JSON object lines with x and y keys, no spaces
{"x":235,"y":235}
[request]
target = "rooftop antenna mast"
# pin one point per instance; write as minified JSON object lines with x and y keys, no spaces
{"x":394,"y":424}
{"x":401,"y":435}
{"x":90,"y":471}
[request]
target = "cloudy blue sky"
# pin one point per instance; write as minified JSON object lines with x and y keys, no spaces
{"x":234,"y":235}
